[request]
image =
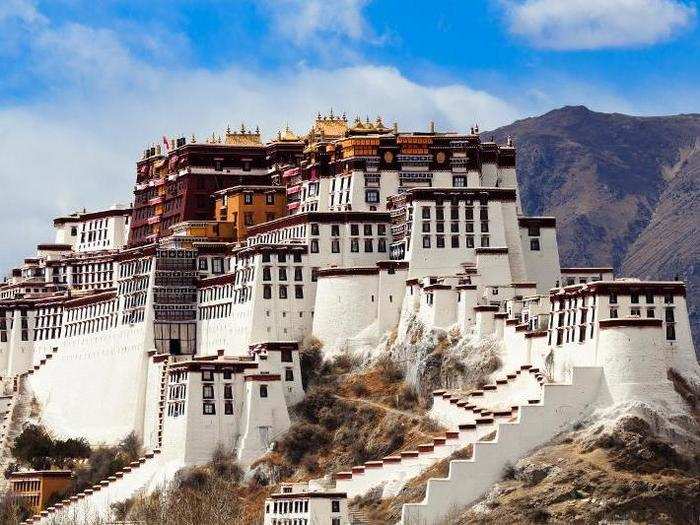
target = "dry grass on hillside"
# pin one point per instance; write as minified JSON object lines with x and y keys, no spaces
{"x":349,"y":417}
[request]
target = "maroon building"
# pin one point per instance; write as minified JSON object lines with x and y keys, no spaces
{"x":177,"y":185}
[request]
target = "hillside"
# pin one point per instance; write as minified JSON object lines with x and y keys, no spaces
{"x":625,"y":190}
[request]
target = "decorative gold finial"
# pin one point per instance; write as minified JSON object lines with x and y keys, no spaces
{"x":228,"y":129}
{"x":257,"y":130}
{"x":193,"y":139}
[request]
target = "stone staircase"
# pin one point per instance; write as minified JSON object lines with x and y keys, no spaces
{"x":162,"y":398}
{"x":471,"y":417}
{"x":536,"y":422}
{"x":93,"y":504}
{"x":521,"y":387}
{"x":17,"y":412}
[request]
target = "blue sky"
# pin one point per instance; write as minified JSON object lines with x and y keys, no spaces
{"x":85,"y":85}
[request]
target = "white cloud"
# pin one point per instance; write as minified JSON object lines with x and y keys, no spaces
{"x":78,"y":147}
{"x":23,"y":10}
{"x":305,"y":21}
{"x":595,"y":24}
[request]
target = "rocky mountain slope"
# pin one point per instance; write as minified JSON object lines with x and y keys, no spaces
{"x":625,"y":190}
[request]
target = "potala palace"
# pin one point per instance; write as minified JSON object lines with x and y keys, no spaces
{"x":180,"y":318}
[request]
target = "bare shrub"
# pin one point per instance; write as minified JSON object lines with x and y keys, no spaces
{"x":303,"y":438}
{"x":388,"y":369}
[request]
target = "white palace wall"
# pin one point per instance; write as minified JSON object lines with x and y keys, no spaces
{"x":346,"y":304}
{"x":73,"y":386}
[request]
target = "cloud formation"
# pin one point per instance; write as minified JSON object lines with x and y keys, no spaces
{"x":597,"y":24}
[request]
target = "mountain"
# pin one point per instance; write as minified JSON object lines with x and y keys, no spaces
{"x":625,"y":190}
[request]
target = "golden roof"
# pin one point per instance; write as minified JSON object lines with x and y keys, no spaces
{"x":368,"y":126}
{"x":243,"y":137}
{"x":330,"y":126}
{"x":287,"y":135}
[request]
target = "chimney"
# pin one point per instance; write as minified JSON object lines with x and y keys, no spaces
{"x":432,"y":126}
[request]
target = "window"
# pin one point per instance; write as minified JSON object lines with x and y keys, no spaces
{"x":484,"y":226}
{"x":228,"y":391}
{"x":314,"y":245}
{"x":263,"y":390}
{"x":613,"y":298}
{"x":217,"y":265}
{"x":459,"y":181}
{"x":533,"y":231}
{"x":228,"y":408}
{"x":208,"y":408}
{"x":208,"y":391}
{"x":651,"y":313}
{"x":354,"y":245}
{"x":270,"y":198}
{"x":670,"y":316}
{"x":282,"y":273}
{"x":381,"y":229}
{"x":266,"y":257}
{"x":203,"y":264}
{"x":485,"y":241}
{"x":288,"y":374}
{"x":354,"y":229}
{"x":367,"y":229}
{"x":335,"y":246}
{"x":248,"y":198}
{"x":613,"y":313}
{"x":425,"y":227}
{"x":535,"y":245}
{"x":207,"y":375}
{"x":314,"y":275}
{"x":286,"y":356}
{"x":470,"y":241}
{"x":227,"y":374}
{"x":267,"y":273}
{"x":440,"y":241}
{"x":381,"y":245}
{"x":671,"y":331}
{"x":283,"y":292}
{"x":650,"y":298}
{"x":267,"y":291}
{"x":314,"y":228}
{"x":369,"y":247}
{"x":335,"y":505}
{"x":668,"y":299}
{"x":281,"y":257}
{"x":299,"y":291}
{"x":635,"y":312}
{"x":298,"y":273}
{"x":426,"y":241}
{"x":634,"y":298}
{"x":455,"y":241}
{"x":372,"y":196}
{"x":469,"y":227}
{"x":335,"y":230}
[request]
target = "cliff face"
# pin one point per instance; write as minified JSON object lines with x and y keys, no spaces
{"x":625,"y":190}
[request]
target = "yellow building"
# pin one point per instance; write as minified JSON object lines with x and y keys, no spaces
{"x":37,"y":487}
{"x":247,"y":206}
